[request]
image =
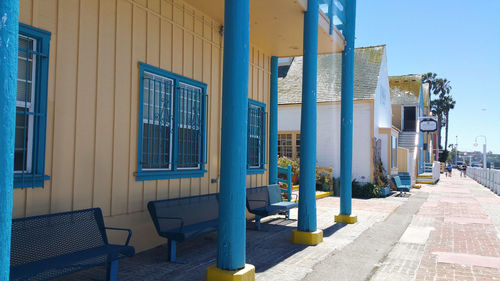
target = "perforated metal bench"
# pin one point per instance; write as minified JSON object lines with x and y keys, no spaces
{"x":46,"y":247}
{"x":402,"y":188}
{"x":267,"y":200}
{"x":184,"y":218}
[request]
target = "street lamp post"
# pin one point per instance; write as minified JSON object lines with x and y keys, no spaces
{"x":484,"y":149}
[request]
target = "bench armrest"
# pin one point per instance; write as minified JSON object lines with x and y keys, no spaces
{"x":122,"y":229}
{"x":174,"y":218}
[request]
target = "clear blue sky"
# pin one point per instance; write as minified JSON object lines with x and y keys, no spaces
{"x":457,"y":39}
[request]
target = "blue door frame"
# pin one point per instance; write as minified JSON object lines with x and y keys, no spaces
{"x":9,"y":32}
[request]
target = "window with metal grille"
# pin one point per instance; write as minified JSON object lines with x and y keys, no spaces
{"x":256,"y":137}
{"x":172,"y":122}
{"x":31,"y":107}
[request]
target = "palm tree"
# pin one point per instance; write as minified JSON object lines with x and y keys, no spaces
{"x":441,"y":106}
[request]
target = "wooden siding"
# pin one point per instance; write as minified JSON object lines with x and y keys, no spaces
{"x":93,"y":95}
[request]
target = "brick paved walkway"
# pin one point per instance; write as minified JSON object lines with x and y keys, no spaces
{"x":454,"y":236}
{"x":270,"y":250}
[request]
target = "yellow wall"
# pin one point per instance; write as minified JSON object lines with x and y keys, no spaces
{"x":93,"y":95}
{"x":403,"y":156}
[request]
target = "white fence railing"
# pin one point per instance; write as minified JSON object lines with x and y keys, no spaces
{"x":487,"y":177}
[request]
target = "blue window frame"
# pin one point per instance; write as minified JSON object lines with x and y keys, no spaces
{"x":256,"y":136}
{"x":172,"y":125}
{"x":31,"y":107}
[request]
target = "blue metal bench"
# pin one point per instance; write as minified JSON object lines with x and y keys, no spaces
{"x":402,"y":188}
{"x":184,"y":218}
{"x":267,"y":200}
{"x":46,"y":247}
{"x":405,"y":178}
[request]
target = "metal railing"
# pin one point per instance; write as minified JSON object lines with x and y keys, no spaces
{"x":487,"y":177}
{"x":335,"y":11}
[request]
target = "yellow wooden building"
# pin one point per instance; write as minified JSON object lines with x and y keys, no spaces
{"x":103,"y":54}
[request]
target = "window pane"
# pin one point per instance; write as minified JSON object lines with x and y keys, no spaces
{"x":255,"y":129}
{"x":157,"y":122}
{"x":189,"y":123}
{"x":285,"y":145}
{"x":21,"y":142}
{"x":25,"y":108}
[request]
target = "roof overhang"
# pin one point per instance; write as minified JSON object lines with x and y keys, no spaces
{"x":276,"y":26}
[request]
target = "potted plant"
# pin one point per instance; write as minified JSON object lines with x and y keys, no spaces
{"x":285,"y":161}
{"x":324,"y":179}
{"x":381,"y":180}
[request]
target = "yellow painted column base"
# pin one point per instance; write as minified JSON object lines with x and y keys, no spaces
{"x":349,"y":219}
{"x":307,"y":238}
{"x":245,"y":274}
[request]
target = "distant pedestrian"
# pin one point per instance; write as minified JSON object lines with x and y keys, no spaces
{"x":464,"y":170}
{"x":449,"y":168}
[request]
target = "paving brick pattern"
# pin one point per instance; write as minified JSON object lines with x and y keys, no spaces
{"x":270,"y":250}
{"x":464,"y":241}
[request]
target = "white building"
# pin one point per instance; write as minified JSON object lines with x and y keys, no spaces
{"x":372,"y":123}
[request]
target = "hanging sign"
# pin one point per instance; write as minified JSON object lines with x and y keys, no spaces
{"x":428,"y":125}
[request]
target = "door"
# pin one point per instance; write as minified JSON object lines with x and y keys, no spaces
{"x":410,"y":118}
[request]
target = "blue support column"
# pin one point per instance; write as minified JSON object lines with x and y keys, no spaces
{"x":307,"y":232}
{"x":347,"y":116}
{"x":9,"y":29}
{"x":233,"y":167}
{"x":273,"y":123}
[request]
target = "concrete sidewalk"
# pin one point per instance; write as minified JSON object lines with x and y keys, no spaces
{"x":454,"y":236}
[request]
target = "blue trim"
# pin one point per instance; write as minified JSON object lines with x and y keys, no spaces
{"x":261,"y":169}
{"x":173,"y":172}
{"x":37,"y":177}
{"x":273,"y":123}
{"x":255,"y":171}
{"x":164,"y":175}
{"x":29,"y":181}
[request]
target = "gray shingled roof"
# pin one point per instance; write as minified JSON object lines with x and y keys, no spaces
{"x":367,"y":64}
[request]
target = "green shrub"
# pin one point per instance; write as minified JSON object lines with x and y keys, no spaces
{"x":324,"y":178}
{"x":285,"y":161}
{"x":365,"y":190}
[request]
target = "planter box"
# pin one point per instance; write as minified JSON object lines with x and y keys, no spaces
{"x":385,"y":191}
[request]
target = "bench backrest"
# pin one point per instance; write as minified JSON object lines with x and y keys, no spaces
{"x":405,"y":178}
{"x":41,"y":237}
{"x":274,"y":191}
{"x":397,"y":181}
{"x":193,"y":210}
{"x":258,"y":197}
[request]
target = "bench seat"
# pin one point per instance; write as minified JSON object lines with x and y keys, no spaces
{"x":191,"y":231}
{"x":180,"y":219}
{"x":49,"y":246}
{"x":69,"y":262}
{"x":267,"y":200}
